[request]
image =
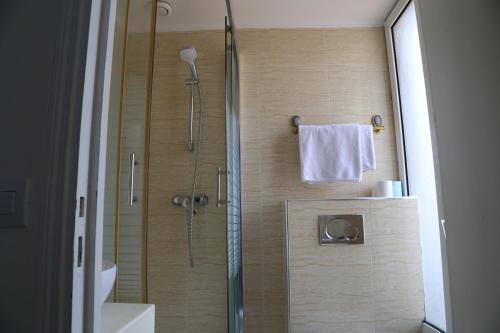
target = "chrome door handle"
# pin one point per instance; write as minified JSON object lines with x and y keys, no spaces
{"x":218,"y":200}
{"x":131,"y":170}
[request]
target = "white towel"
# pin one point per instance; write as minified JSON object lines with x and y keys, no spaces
{"x":367,"y":147}
{"x":330,"y":153}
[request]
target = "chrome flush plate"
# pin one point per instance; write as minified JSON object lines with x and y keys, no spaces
{"x":341,"y":229}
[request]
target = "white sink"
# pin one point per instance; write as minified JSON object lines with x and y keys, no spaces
{"x":107,"y":279}
{"x":127,"y":318}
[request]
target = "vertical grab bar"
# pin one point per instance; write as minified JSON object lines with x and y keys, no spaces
{"x":131,"y":170}
{"x":191,"y":120}
{"x":218,"y":200}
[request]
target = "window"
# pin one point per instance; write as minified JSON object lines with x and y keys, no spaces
{"x":415,"y":148}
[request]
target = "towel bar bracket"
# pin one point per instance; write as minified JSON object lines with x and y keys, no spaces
{"x":377,"y":123}
{"x":295,"y":124}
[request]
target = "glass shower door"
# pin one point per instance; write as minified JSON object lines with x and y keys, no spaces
{"x":189,"y":291}
{"x":234,"y":233}
{"x":127,"y":150}
{"x":148,"y":232}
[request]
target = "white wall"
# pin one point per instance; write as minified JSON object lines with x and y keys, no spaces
{"x":462,"y":50}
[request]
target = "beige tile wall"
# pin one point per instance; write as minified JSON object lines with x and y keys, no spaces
{"x":374,"y":287}
{"x":187,"y":299}
{"x":325,"y":76}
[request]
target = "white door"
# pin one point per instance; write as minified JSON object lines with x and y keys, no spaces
{"x":91,"y":169}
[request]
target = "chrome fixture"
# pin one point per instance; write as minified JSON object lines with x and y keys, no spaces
{"x":218,"y":200}
{"x":191,"y":120}
{"x":132,"y":162}
{"x":296,"y":122}
{"x":376,"y":123}
{"x":181,"y":201}
{"x":335,"y":229}
{"x":189,"y":55}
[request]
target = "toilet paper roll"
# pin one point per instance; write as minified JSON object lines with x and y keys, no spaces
{"x":382,"y":189}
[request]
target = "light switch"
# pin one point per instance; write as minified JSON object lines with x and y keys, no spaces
{"x":12,"y":203}
{"x":7,"y":202}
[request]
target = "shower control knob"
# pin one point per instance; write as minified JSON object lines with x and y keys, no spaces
{"x":201,"y":199}
{"x":177,"y":200}
{"x":183,"y":201}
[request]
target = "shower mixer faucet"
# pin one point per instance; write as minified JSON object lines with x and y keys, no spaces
{"x":185,"y":201}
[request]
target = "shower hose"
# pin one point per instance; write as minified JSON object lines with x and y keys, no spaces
{"x":190,"y":212}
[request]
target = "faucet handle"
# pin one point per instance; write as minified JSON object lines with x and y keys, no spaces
{"x":185,"y":201}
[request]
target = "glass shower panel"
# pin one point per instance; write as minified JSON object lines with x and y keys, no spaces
{"x":188,"y":298}
{"x":131,"y":282}
{"x":126,"y":197}
{"x":234,"y":232}
{"x":113,"y":139}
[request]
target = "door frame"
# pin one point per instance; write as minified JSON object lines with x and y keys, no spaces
{"x":391,"y":19}
{"x":65,"y":124}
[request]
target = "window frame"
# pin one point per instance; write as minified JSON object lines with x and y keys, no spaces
{"x":390,"y":21}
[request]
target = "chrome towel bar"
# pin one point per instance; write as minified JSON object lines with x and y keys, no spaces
{"x":376,"y":123}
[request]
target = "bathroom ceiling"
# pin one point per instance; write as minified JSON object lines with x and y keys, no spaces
{"x":193,"y":15}
{"x":208,"y":14}
{"x":311,"y":13}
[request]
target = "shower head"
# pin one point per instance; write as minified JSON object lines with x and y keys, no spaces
{"x":189,"y":54}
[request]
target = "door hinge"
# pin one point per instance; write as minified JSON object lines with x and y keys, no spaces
{"x":443,"y":227}
{"x":80,"y":252}
{"x":81,"y":207}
